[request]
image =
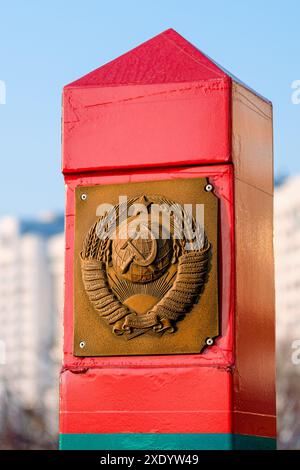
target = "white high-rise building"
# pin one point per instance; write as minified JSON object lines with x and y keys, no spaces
{"x":287,"y":285}
{"x":31,"y":292}
{"x":287,"y":258}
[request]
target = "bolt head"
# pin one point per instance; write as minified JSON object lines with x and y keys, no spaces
{"x":209,"y":187}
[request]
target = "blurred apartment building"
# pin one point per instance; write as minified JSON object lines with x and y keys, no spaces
{"x":287,"y":257}
{"x":31,"y":299}
{"x":287,"y":285}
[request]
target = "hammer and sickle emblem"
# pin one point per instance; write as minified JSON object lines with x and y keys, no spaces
{"x":136,"y":256}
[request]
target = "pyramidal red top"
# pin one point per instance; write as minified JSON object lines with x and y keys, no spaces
{"x":166,"y":58}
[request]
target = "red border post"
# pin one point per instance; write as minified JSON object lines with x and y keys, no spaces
{"x":164,"y":110}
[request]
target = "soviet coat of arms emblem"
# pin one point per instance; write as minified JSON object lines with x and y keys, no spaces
{"x":142,"y":274}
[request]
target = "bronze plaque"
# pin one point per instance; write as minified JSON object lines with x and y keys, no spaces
{"x":145,"y":268}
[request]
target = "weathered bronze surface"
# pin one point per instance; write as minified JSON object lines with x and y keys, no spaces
{"x":147,"y":293}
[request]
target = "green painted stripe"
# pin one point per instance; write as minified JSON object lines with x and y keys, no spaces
{"x":165,"y":442}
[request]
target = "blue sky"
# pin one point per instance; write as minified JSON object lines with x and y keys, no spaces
{"x":47,"y":44}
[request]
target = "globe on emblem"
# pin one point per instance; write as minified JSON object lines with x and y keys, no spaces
{"x":143,"y":258}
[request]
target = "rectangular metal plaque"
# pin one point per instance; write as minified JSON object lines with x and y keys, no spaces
{"x":145,"y":268}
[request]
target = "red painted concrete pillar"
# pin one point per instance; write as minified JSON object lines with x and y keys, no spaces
{"x":165,"y":111}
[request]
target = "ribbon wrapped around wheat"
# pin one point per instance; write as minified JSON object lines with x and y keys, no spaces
{"x":192,"y":271}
